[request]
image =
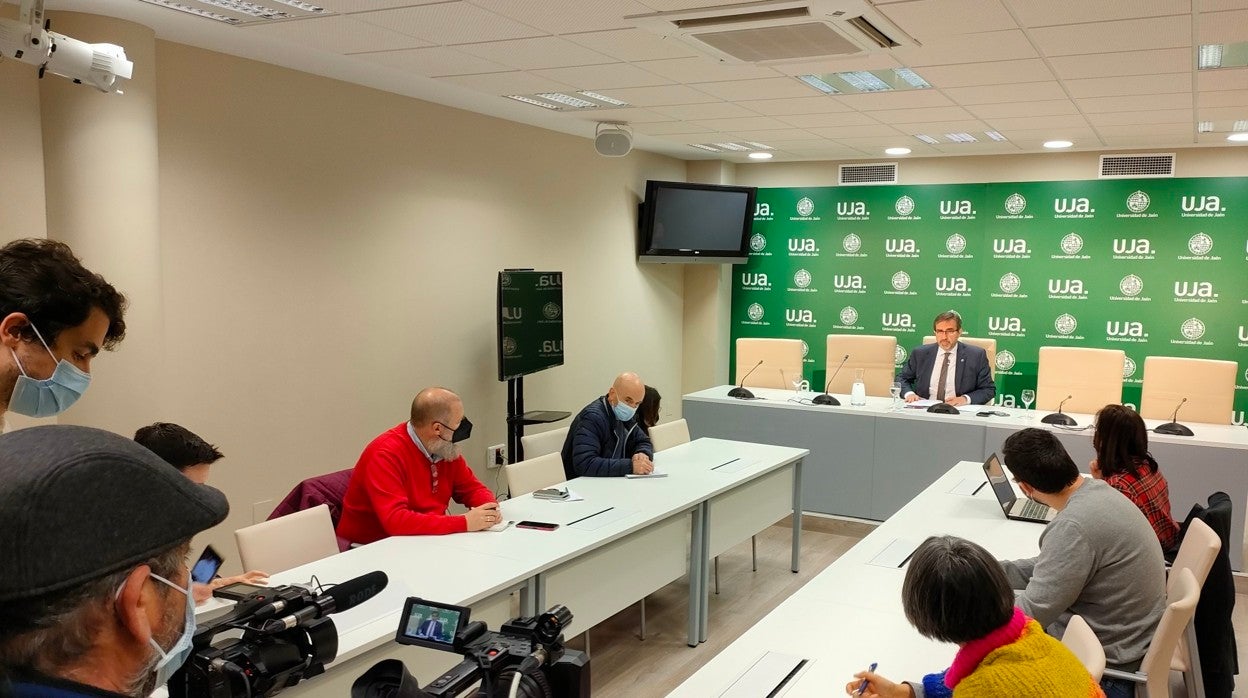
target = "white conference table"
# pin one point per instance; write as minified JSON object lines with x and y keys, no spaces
{"x":850,"y":615}
{"x":868,"y":461}
{"x":650,"y":532}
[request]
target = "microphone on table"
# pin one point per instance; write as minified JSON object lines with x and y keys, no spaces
{"x":1173,"y":428}
{"x":338,"y":598}
{"x":740,"y":392}
{"x":1061,"y":420}
{"x":827,"y":399}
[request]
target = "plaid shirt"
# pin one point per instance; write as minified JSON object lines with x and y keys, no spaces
{"x":1151,"y":494}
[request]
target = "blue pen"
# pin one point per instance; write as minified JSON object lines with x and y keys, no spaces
{"x":862,"y":687}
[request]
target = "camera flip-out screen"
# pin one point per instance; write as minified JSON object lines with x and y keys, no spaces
{"x":431,"y":624}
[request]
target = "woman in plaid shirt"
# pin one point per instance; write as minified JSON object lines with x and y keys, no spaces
{"x":1124,"y":463}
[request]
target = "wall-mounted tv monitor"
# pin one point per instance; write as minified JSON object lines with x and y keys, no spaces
{"x":682,"y":222}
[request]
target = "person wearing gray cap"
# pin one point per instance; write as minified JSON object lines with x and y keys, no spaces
{"x":94,"y":533}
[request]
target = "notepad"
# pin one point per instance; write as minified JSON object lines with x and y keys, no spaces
{"x":653,"y":473}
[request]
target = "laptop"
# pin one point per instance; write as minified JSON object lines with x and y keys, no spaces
{"x":1013,"y":507}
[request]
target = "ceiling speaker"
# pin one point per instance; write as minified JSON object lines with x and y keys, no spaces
{"x":613,"y":140}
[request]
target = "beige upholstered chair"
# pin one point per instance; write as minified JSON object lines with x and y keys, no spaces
{"x":1196,"y":553}
{"x":782,"y":362}
{"x":535,"y":445}
{"x":988,"y":344}
{"x":664,"y":436}
{"x":289,"y":541}
{"x":1154,"y":674}
{"x":1092,"y":377}
{"x":1208,"y":385}
{"x":534,"y":473}
{"x":876,"y":354}
{"x":1083,"y":643}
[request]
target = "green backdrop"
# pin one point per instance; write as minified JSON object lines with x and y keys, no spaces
{"x":1150,"y":266}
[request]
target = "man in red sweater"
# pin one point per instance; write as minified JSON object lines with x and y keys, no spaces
{"x":406,"y":477}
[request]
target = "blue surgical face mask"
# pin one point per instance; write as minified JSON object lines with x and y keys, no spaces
{"x":623,"y":412}
{"x":173,"y":659}
{"x":50,"y":396}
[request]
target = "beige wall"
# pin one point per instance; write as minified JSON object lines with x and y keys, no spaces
{"x":22,"y":211}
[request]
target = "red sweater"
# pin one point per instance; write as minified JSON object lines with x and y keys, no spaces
{"x":391,"y":492}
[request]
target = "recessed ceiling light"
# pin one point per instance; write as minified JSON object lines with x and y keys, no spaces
{"x":1210,"y":56}
{"x":1204,"y":127}
{"x":1241,"y":125}
{"x":703,"y":146}
{"x":603,"y":98}
{"x":1238,"y":137}
{"x":960,"y":137}
{"x":926,"y":138}
{"x":568,"y":100}
{"x":760,"y":156}
{"x":896,"y":151}
{"x":912,"y":78}
{"x":760,"y":146}
{"x":1057,"y":144}
{"x":864,"y":81}
{"x":994,"y":135}
{"x":534,"y":102}
{"x":816,"y":82}
{"x":730,"y":146}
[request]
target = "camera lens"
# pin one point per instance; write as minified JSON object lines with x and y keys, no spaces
{"x":551,"y":623}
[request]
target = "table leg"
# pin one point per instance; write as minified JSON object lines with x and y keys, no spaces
{"x":528,"y":598}
{"x":704,"y":596}
{"x":797,"y":517}
{"x":697,"y":557}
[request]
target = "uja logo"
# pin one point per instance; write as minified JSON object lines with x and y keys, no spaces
{"x":900,"y":355}
{"x":1131,"y":285}
{"x":951,"y":283}
{"x":851,"y":243}
{"x":513,"y":313}
{"x":1132,"y":246}
{"x":898,"y":320}
{"x":805,"y":206}
{"x":1005,"y":360}
{"x":1065,"y":323}
{"x":805,"y":348}
{"x":1204,"y":203}
{"x":757,"y":242}
{"x":1116,"y":328}
{"x":1128,"y":367}
{"x":848,"y":315}
{"x":1200,"y":244}
{"x":1193,"y":289}
{"x":848,"y":281}
{"x":550,"y":281}
{"x":802,"y":245}
{"x":904,"y":206}
{"x":505,"y":280}
{"x":802,"y":278}
{"x":851,"y":208}
{"x":509,"y":346}
{"x":1075,"y":205}
{"x":1138,"y":202}
{"x":1010,"y":246}
{"x":754,"y":280}
{"x":1004,"y":324}
{"x":551,"y":310}
{"x":1192,"y":328}
{"x":799,"y":315}
{"x":955,"y":244}
{"x":1066,"y":287}
{"x":901,"y":281}
{"x":754,"y":312}
{"x":1072,"y":243}
{"x":1015,"y":204}
{"x":552,"y":346}
{"x":761,"y":210}
{"x":900,"y":246}
{"x":960,"y":207}
{"x":1243,"y":333}
{"x":1010,"y":283}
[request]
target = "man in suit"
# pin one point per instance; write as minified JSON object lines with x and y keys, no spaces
{"x":432,"y":628}
{"x":948,"y":370}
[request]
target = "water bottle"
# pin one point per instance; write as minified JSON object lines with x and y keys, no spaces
{"x":858,"y":394}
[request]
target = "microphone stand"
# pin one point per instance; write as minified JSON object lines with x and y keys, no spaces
{"x":740,"y":392}
{"x":1059,"y":419}
{"x":827,"y":399}
{"x":1173,"y":428}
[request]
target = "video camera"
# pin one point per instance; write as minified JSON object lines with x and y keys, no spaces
{"x":529,"y":651}
{"x":286,"y":637}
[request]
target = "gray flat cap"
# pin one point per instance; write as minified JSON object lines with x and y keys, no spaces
{"x":78,"y":503}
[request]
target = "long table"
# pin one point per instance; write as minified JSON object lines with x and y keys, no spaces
{"x":623,"y":540}
{"x":868,"y":461}
{"x":850,"y":615}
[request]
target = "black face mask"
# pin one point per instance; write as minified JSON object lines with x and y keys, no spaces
{"x":462,"y":433}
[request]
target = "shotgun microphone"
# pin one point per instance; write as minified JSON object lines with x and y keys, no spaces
{"x":340,"y":597}
{"x":740,"y":392}
{"x":827,"y":399}
{"x":1173,"y":428}
{"x":1059,"y":419}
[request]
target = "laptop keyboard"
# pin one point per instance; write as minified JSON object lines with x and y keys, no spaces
{"x":1034,"y":510}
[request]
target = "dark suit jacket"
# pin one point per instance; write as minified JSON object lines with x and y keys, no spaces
{"x":971,"y":377}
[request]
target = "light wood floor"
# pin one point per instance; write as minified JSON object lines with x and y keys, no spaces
{"x":624,"y":666}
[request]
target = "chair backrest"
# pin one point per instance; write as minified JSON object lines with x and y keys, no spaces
{"x":664,"y":436}
{"x":535,"y":445}
{"x":1181,"y":599}
{"x":292,"y":540}
{"x":1208,"y":385}
{"x":1092,"y":377}
{"x":534,"y":473}
{"x":1083,"y":643}
{"x":988,"y":344}
{"x":1197,"y":552}
{"x":782,"y":362}
{"x":328,"y":489}
{"x":875,"y":354}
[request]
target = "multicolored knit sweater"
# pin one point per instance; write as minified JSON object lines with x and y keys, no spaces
{"x":1017,"y":659}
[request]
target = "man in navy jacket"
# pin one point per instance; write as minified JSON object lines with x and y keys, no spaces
{"x":605,"y":439}
{"x":964,"y":368}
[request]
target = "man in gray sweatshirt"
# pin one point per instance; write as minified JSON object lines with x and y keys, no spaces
{"x":1098,"y":558}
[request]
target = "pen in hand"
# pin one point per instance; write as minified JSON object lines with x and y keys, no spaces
{"x":862,"y":687}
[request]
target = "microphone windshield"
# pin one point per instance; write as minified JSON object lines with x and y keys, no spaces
{"x":354,"y":592}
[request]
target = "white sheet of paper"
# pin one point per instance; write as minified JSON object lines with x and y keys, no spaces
{"x":653,"y":473}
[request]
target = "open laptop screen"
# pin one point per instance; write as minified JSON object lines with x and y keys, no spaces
{"x":1000,"y":482}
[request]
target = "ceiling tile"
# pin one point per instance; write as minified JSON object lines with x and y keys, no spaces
{"x":1105,"y":65}
{"x":1098,"y":105}
{"x":977,"y":148}
{"x":554,"y":17}
{"x":970,"y":48}
{"x":1029,"y":137}
{"x":1008,"y":124}
{"x":1167,"y":83}
{"x":632,"y":45}
{"x":703,"y":69}
{"x":604,"y":77}
{"x":751,"y":123}
{"x":448,"y":23}
{"x":925,"y":19}
{"x":1224,"y":98}
{"x":334,"y":34}
{"x":770,"y":136}
{"x":994,"y":73}
{"x":914,"y":116}
{"x":866,"y":61}
{"x":509,"y":83}
{"x":436,"y":61}
{"x":800,"y":105}
{"x":535,"y":53}
{"x":1222,"y":113}
{"x":766,"y":88}
{"x":623,"y":115}
{"x":664,"y":128}
{"x":670,"y":5}
{"x":1051,"y":12}
{"x":1182,"y":129}
{"x":1139,"y":141}
{"x":852,"y":118}
{"x":869,"y":134}
{"x":1168,"y":116}
{"x":1023,"y":92}
{"x":714,"y":110}
{"x":661,"y":95}
{"x":936,"y":128}
{"x":1223,"y":27}
{"x":1222,"y":79}
{"x":1109,"y":37}
{"x":345,"y":6}
{"x":905,"y":99}
{"x":1052,"y":107}
{"x":1218,"y":5}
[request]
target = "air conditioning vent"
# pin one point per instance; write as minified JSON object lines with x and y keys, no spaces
{"x":868,"y":29}
{"x":873,"y":173}
{"x":1130,"y":166}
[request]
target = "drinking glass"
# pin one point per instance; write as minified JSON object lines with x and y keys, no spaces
{"x":895,"y":391}
{"x":1029,"y":396}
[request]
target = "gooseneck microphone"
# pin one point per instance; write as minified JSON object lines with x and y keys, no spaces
{"x":740,"y":392}
{"x":340,"y":597}
{"x":1173,"y":428}
{"x":827,"y":399}
{"x":1061,"y":420}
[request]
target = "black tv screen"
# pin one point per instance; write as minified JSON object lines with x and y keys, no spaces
{"x":685,"y":222}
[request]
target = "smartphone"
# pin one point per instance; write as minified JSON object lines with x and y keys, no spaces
{"x":538,"y":525}
{"x":237,"y":591}
{"x":205,"y":568}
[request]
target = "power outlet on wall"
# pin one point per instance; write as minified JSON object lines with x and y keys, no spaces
{"x":496,"y":456}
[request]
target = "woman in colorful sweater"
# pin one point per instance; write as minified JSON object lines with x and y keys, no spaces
{"x":955,"y":591}
{"x":1124,"y":463}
